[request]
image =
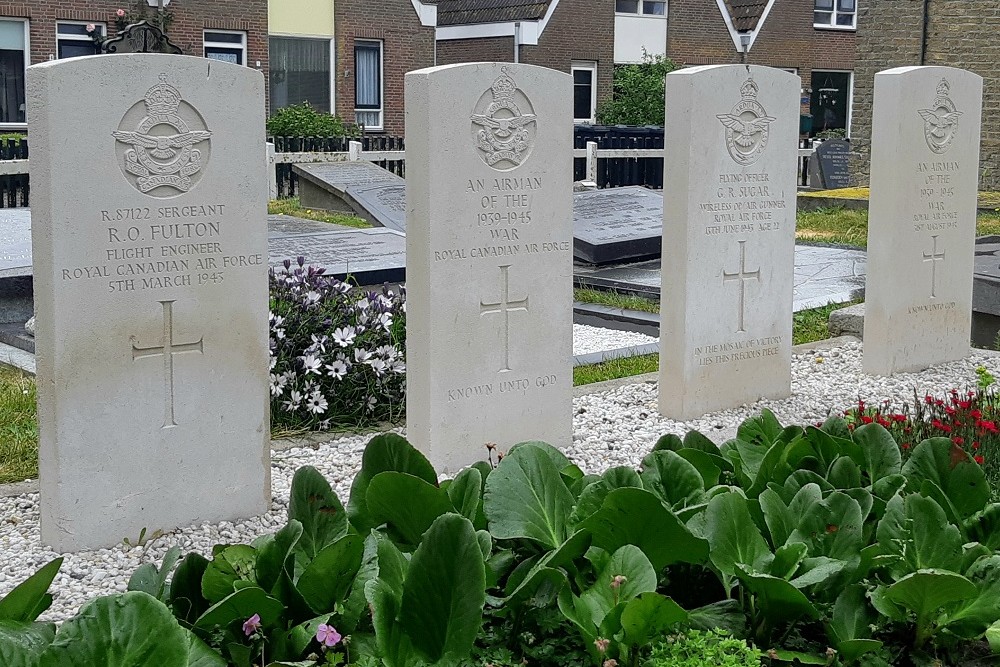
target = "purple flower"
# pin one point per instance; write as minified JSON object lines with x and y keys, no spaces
{"x":251,"y":625}
{"x":327,"y":635}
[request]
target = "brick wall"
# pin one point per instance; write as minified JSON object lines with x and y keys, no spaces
{"x":406,"y":46}
{"x":959,"y":34}
{"x":581,"y":30}
{"x":191,"y":19}
{"x":697,"y":35}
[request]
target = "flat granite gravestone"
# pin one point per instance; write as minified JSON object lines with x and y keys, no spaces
{"x":15,"y":242}
{"x":728,"y":238}
{"x":150,"y":267}
{"x":368,"y":256}
{"x":922,"y":217}
{"x":383,"y":204}
{"x":829,"y":167}
{"x":489,"y":259}
{"x":332,"y":186}
{"x":617,"y":225}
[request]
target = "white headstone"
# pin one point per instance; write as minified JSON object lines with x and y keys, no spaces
{"x":728,"y":237}
{"x":921,"y":217}
{"x":488,"y":259}
{"x":150,"y":269}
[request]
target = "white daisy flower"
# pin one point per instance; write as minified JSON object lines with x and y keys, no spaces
{"x":344,"y":336}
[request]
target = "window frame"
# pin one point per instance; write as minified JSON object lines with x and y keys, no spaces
{"x":227,"y":46}
{"x":333,"y":60}
{"x":641,"y":10}
{"x":27,"y":63}
{"x":78,"y":38}
{"x":380,"y":109}
{"x":834,"y":13}
{"x":850,"y":95}
{"x":585,"y":66}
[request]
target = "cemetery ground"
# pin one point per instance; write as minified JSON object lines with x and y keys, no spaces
{"x":291,"y":207}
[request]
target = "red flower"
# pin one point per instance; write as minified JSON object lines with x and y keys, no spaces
{"x":866,"y":419}
{"x":899,"y":418}
{"x":976,"y":414}
{"x":906,"y":445}
{"x":958,"y":440}
{"x":979,"y":459}
{"x":928,"y":399}
{"x":975,"y":445}
{"x":850,"y":427}
{"x":965,"y":405}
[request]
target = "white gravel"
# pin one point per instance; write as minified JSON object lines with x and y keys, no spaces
{"x":587,"y":339}
{"x":615,"y":427}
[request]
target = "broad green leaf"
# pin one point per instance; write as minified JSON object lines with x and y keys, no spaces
{"x":527,"y":499}
{"x":725,"y":615}
{"x":548,"y":568}
{"x":466,"y":494}
{"x":558,"y":459}
{"x":709,"y":466}
{"x":314,"y":504}
{"x":329,"y":576}
{"x":445,"y":590}
{"x":779,"y":519}
{"x":700,"y":442}
{"x":984,"y":526}
{"x":29,"y":599}
{"x":231,"y":564}
{"x":152,"y":580}
{"x":733,"y":537}
{"x":975,"y":615}
{"x":880,"y":451}
{"x":821,"y":570}
{"x":879,"y":597}
{"x":915,"y":534}
{"x":837,"y":427}
{"x":356,"y":605}
{"x":186,"y":599}
{"x":778,"y":600}
{"x":926,"y":591}
{"x":407,"y":503}
{"x":125,"y":631}
{"x":593,"y":605}
{"x":637,"y":517}
{"x":832,"y":527}
{"x":845,"y":473}
{"x":669,"y":442}
{"x":798,"y":657}
{"x":22,"y":643}
{"x":761,"y":431}
{"x":273,"y":554}
{"x":787,"y":559}
{"x":673,"y":479}
{"x":240,"y":606}
{"x":650,"y":616}
{"x":940,"y":461}
{"x":850,"y":624}
{"x":200,"y":655}
{"x":393,"y":644}
{"x":384,"y":453}
{"x":993,"y":637}
{"x":594,"y":494}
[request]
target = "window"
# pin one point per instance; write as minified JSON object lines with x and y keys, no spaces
{"x":300,"y":72}
{"x":368,"y":84}
{"x":13,"y":47}
{"x":72,"y":39}
{"x":584,"y":92}
{"x":226,"y":45}
{"x":835,"y":14}
{"x":645,"y":7}
{"x":830,"y":102}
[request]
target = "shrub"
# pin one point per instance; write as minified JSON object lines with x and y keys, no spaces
{"x":714,"y":648}
{"x":638,"y":93}
{"x":301,"y":120}
{"x":337,"y":356}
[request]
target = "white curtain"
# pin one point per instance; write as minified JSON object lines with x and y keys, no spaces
{"x":368,"y":79}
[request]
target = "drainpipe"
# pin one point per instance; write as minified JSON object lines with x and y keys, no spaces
{"x":517,"y":42}
{"x":923,"y":33}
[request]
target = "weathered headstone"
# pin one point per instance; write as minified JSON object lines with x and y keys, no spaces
{"x":489,"y":259}
{"x":150,"y":268}
{"x":617,"y":225}
{"x":829,"y":167}
{"x":383,"y":204}
{"x":922,"y":217}
{"x":728,"y":237}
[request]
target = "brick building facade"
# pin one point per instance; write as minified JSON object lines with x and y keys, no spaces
{"x":42,"y":30}
{"x":957,"y":34}
{"x":393,"y":32}
{"x":789,"y":36}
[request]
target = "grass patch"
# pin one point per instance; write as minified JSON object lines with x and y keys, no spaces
{"x":809,"y":326}
{"x":987,"y":198}
{"x":844,"y":227}
{"x":293,"y":208}
{"x":615,"y":368}
{"x":616,"y":300}
{"x":18,"y":427}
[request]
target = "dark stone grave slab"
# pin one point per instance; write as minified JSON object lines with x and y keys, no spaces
{"x":617,"y":225}
{"x":823,"y":275}
{"x":986,"y":291}
{"x":282,"y":225}
{"x":328,"y":185}
{"x":369,"y":256}
{"x":383,"y":205}
{"x":829,"y":167}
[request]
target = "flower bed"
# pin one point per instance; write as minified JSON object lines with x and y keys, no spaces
{"x":815,"y":545}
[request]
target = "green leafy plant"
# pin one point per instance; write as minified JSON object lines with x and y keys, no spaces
{"x":701,"y":649}
{"x":302,"y":120}
{"x":638,"y":93}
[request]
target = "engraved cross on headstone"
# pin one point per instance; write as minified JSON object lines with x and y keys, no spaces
{"x":167,"y":350}
{"x":504,"y":307}
{"x":934,"y":257}
{"x":742,"y":276}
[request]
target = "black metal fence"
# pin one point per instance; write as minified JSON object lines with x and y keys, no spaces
{"x":14,"y":189}
{"x":288,"y":182}
{"x":619,"y":172}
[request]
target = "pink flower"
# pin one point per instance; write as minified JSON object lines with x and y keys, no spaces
{"x":252,"y":624}
{"x":327,"y":635}
{"x":91,"y":27}
{"x":602,"y":645}
{"x":120,"y":13}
